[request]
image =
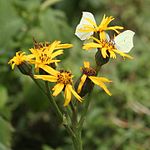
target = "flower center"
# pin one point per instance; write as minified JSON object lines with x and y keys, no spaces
{"x":44,"y":58}
{"x":64,"y":77}
{"x":89,"y":71}
{"x":107,"y":44}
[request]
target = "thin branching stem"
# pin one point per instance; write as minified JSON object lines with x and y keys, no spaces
{"x":58,"y":112}
{"x":84,"y":112}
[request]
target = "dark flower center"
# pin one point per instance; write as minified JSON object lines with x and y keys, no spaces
{"x":89,"y":71}
{"x":64,"y":77}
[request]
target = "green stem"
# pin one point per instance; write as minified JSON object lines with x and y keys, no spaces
{"x":58,"y":112}
{"x":37,"y":83}
{"x":52,"y":101}
{"x":77,"y":128}
{"x":83,"y":114}
{"x":54,"y":106}
{"x":97,"y":69}
{"x":77,"y":141}
{"x":74,"y":114}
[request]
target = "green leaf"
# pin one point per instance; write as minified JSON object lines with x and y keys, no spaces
{"x":3,"y":147}
{"x":4,"y":96}
{"x":5,"y":133}
{"x":10,"y":24}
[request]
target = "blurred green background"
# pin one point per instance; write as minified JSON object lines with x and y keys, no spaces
{"x":119,"y":122}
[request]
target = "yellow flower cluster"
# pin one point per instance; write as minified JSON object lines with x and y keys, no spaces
{"x":43,"y":56}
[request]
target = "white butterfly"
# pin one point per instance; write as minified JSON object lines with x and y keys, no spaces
{"x":124,"y":41}
{"x":84,"y":22}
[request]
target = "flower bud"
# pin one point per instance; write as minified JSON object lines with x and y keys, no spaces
{"x":100,"y":60}
{"x":25,"y":68}
{"x":86,"y":88}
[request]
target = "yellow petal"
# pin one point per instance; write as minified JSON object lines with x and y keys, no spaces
{"x":13,"y":66}
{"x":75,"y":93}
{"x":67,"y":95}
{"x":95,"y":39}
{"x":53,"y":46}
{"x":30,"y":56}
{"x":83,"y":78}
{"x":103,"y":79}
{"x":63,"y":46}
{"x":91,"y":45}
{"x":102,"y":35}
{"x":55,"y":60}
{"x":32,"y":50}
{"x":104,"y":52}
{"x":86,"y":64}
{"x":108,"y":20}
{"x":102,"y":22}
{"x":57,"y":89}
{"x":48,"y":69}
{"x":46,"y":78}
{"x":59,"y":52}
{"x":115,"y":28}
{"x":97,"y":81}
{"x":127,"y":56}
{"x":112,"y":54}
{"x":122,"y":54}
{"x":105,"y":22}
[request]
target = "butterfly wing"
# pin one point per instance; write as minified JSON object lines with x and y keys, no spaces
{"x":124,"y":41}
{"x":83,"y":22}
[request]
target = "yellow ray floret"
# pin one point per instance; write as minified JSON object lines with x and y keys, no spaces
{"x":107,"y":48}
{"x":19,"y":59}
{"x":63,"y":81}
{"x":46,"y":54}
{"x":104,"y":25}
{"x":89,"y":72}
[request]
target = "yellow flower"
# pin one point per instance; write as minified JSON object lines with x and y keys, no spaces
{"x":108,"y":47}
{"x":104,"y":26}
{"x":88,"y":26}
{"x":18,"y":59}
{"x":63,"y":81}
{"x":90,"y":73}
{"x":44,"y":54}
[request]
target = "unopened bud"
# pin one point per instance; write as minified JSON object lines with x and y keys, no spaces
{"x":86,"y":88}
{"x":25,"y":68}
{"x":100,"y":60}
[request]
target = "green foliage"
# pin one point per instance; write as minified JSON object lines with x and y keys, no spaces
{"x":5,"y":134}
{"x":4,"y":96}
{"x":119,"y":122}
